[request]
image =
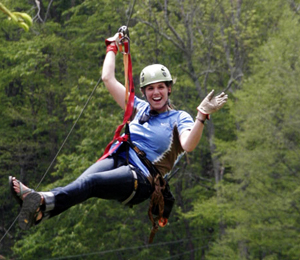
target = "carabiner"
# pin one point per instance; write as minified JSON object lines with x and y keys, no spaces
{"x":124,"y":39}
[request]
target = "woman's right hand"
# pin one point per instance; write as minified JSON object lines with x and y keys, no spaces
{"x":113,"y":40}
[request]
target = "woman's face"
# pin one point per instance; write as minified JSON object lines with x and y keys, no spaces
{"x":157,"y":94}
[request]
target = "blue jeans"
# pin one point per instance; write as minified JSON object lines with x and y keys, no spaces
{"x":110,"y":179}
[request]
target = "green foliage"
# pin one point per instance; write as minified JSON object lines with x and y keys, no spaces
{"x":262,"y":196}
{"x":248,"y":48}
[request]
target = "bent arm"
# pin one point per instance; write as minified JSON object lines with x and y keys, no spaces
{"x":190,"y":139}
{"x":115,"y":88}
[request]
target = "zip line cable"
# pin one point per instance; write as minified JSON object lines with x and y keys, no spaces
{"x":128,"y":248}
{"x":92,"y":93}
{"x":61,"y":147}
{"x":5,"y":234}
{"x":131,"y":11}
{"x":82,"y":110}
{"x":184,"y":253}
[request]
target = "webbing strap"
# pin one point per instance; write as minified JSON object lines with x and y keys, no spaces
{"x":159,"y":183}
{"x":135,"y":186}
{"x":142,"y":156}
{"x":125,"y":61}
{"x":129,"y":101}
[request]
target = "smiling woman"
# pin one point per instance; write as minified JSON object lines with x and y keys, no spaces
{"x":157,"y":94}
{"x":156,"y":85}
{"x":135,"y":167}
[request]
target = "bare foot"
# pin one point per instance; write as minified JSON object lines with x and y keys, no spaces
{"x":17,"y":188}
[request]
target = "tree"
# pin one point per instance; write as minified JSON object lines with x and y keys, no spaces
{"x":258,"y":197}
{"x":22,"y":19}
{"x":47,"y":75}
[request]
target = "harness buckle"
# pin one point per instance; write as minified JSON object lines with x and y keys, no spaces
{"x":135,"y":185}
{"x":140,"y":153}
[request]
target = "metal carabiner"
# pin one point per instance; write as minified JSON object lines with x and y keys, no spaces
{"x":124,"y":39}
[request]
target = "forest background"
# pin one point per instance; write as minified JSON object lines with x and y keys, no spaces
{"x":237,"y":194}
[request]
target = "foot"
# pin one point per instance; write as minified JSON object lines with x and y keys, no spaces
{"x":18,"y":190}
{"x":22,"y":191}
{"x":31,"y":213}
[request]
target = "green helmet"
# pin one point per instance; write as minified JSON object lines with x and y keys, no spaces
{"x":154,"y":73}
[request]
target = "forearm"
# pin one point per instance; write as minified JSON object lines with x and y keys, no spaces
{"x":115,"y":88}
{"x":108,"y":70}
{"x":190,"y":139}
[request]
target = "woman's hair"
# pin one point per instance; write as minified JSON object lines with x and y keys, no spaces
{"x":170,"y":84}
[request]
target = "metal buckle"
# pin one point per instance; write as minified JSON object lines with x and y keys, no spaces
{"x":124,"y":35}
{"x":134,"y":187}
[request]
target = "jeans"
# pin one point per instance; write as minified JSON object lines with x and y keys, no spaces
{"x":110,"y":179}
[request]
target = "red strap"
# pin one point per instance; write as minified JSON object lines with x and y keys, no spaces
{"x":127,"y":115}
{"x":113,"y":48}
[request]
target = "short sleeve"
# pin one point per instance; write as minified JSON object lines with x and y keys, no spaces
{"x":184,"y":121}
{"x":139,"y":103}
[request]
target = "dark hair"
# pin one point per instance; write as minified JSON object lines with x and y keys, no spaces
{"x":170,"y":84}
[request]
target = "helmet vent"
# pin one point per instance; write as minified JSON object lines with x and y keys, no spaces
{"x":154,"y":73}
{"x":142,"y":77}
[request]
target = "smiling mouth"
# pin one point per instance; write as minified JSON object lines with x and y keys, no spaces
{"x":157,"y":98}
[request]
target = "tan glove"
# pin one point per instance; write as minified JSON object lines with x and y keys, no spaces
{"x":211,"y":104}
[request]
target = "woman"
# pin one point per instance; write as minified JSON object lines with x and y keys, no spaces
{"x":158,"y":130}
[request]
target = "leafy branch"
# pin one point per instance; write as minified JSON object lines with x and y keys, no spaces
{"x":22,"y":19}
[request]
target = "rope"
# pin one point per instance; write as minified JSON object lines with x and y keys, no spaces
{"x":92,"y":93}
{"x":130,"y":13}
{"x":61,"y":147}
{"x":5,"y":234}
{"x":185,"y":253}
{"x":130,"y":248}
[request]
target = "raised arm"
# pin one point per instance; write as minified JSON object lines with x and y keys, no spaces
{"x":115,"y":88}
{"x":190,"y":139}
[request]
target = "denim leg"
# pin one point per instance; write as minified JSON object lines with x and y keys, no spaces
{"x":144,"y":190}
{"x":103,"y":165}
{"x":100,"y":180}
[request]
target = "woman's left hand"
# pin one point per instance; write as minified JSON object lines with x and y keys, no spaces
{"x":211,"y":104}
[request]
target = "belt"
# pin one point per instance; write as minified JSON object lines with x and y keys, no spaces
{"x":143,"y":157}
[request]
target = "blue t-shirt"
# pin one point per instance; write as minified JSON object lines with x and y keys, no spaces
{"x":158,"y":137}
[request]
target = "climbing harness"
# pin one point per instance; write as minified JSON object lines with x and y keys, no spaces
{"x":162,"y":200}
{"x":135,"y":186}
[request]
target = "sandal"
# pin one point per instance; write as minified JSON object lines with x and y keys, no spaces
{"x":18,"y":196}
{"x":30,"y":211}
